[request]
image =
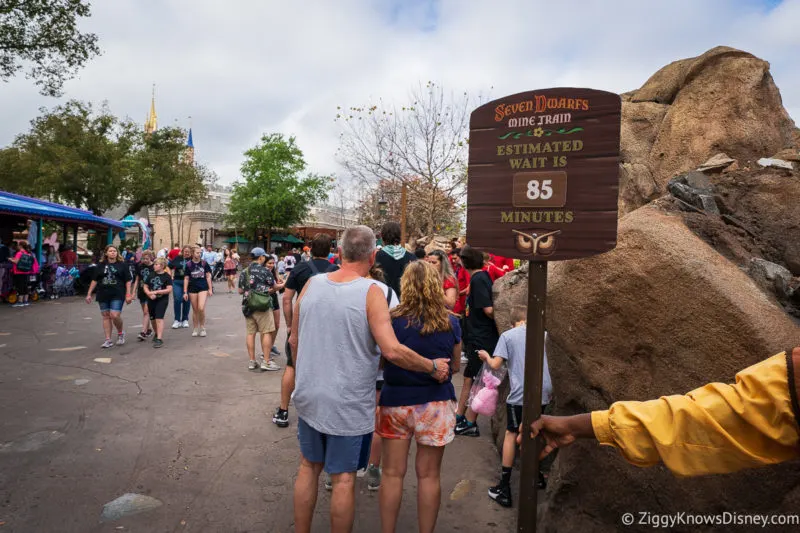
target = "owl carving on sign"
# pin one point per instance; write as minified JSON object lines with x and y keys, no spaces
{"x":536,"y":242}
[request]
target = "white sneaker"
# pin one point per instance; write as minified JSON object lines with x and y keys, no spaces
{"x":185,"y":324}
{"x":252,"y":365}
{"x":194,"y":333}
{"x":202,"y":332}
{"x":121,"y":339}
{"x":176,"y":324}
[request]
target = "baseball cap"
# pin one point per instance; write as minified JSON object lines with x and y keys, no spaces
{"x":257,"y":252}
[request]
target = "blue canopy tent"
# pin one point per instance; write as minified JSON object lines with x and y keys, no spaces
{"x":40,"y":210}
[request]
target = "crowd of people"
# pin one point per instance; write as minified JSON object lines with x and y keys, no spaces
{"x":402,"y":323}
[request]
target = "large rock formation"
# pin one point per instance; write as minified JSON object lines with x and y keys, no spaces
{"x":722,"y":101}
{"x":661,"y":314}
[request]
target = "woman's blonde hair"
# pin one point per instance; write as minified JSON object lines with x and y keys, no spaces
{"x":423,"y":299}
{"x":160,"y":261}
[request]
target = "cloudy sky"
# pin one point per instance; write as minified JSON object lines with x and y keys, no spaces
{"x":245,"y":67}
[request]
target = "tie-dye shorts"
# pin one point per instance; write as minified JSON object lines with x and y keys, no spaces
{"x":431,"y":424}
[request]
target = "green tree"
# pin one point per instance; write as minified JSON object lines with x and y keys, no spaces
{"x":74,"y":156}
{"x":44,"y":34}
{"x":157,"y":170}
{"x":274,"y":193}
{"x":91,"y":160}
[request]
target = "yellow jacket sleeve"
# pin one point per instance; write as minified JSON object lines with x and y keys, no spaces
{"x":717,"y":428}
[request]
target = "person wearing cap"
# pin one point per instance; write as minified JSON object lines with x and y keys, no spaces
{"x":257,"y":278}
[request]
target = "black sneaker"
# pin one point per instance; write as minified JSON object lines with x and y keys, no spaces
{"x":149,"y":333}
{"x":468,"y":430}
{"x":281,"y":418}
{"x":501,"y":494}
{"x":158,"y":343}
{"x":141,"y":336}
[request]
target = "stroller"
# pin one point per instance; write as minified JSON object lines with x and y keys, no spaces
{"x":65,"y":282}
{"x":219,"y":272}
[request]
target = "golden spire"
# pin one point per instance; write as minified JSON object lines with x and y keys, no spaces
{"x":151,"y":124}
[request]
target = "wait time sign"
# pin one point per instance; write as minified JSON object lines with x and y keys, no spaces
{"x":543,"y":174}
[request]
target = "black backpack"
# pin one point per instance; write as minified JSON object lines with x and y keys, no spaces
{"x":25,"y":263}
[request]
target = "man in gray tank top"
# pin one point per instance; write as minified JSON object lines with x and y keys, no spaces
{"x":341,"y":319}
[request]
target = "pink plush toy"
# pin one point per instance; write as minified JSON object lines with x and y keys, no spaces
{"x":485,"y":401}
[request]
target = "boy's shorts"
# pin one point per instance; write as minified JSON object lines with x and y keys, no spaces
{"x":113,"y":305}
{"x":260,"y":322}
{"x":158,"y":307}
{"x":514,"y":417}
{"x":431,"y":424}
{"x":339,"y":454}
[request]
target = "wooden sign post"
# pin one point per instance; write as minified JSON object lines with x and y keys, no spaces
{"x":543,"y":186}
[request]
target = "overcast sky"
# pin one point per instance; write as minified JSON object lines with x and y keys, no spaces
{"x":245,"y":67}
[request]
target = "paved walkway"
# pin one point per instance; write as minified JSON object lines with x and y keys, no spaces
{"x":187,"y":425}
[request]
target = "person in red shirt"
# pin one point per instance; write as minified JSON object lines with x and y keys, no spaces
{"x":462,"y":275}
{"x":504,"y":263}
{"x":68,"y":257}
{"x":449,"y":281}
{"x":175,"y":252}
{"x":494,"y":271}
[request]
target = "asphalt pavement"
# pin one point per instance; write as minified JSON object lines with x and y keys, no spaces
{"x":185,"y":431}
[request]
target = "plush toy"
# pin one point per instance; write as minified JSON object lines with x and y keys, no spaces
{"x":485,"y":401}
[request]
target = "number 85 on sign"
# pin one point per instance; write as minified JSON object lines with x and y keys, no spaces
{"x":540,"y":189}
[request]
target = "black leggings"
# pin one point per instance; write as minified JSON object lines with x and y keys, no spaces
{"x":158,"y":307}
{"x":22,"y":284}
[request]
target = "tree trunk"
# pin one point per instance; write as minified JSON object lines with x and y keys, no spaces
{"x":432,"y":213}
{"x":171,"y":235}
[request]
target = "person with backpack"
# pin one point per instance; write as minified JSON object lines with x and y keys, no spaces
{"x":25,"y":266}
{"x":302,"y":272}
{"x":255,"y":287}
{"x":197,"y":287}
{"x":393,"y":258}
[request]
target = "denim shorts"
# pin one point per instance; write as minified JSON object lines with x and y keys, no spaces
{"x":113,"y":305}
{"x":339,"y":454}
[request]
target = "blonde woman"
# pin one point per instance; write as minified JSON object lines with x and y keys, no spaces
{"x":197,"y":287}
{"x":157,"y":289}
{"x":414,"y":405}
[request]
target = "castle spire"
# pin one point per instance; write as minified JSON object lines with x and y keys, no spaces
{"x":151,"y":124}
{"x":189,"y":152}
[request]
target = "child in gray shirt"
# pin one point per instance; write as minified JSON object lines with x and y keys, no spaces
{"x":511,"y":349}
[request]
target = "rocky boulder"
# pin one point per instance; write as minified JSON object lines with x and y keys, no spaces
{"x":771,"y":277}
{"x":661,"y":314}
{"x":722,"y":101}
{"x":765,"y":202}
